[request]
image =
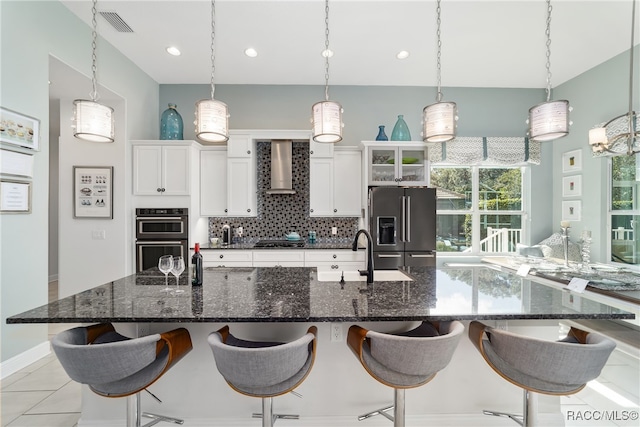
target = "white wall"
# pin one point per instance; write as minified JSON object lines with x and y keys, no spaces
{"x":31,"y":32}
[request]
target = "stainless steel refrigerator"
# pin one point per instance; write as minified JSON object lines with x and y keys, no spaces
{"x":402,"y":223}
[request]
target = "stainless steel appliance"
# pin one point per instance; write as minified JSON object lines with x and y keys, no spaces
{"x":163,"y":231}
{"x":402,"y":223}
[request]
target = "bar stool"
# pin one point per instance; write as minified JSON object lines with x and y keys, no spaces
{"x":537,"y":366}
{"x":264,"y":369}
{"x":405,"y":360}
{"x":113,"y":365}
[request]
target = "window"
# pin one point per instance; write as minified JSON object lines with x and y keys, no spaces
{"x":624,"y":214}
{"x":479,"y":209}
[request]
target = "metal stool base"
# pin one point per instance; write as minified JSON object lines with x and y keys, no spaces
{"x":514,"y":417}
{"x":398,"y":409}
{"x":159,"y":418}
{"x":529,"y":417}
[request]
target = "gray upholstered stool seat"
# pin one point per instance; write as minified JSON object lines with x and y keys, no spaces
{"x":263,"y":369}
{"x":550,"y":367}
{"x":113,"y":365}
{"x":404,"y":360}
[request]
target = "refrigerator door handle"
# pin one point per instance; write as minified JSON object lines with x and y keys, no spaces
{"x":407,"y":237}
{"x":403,"y":234}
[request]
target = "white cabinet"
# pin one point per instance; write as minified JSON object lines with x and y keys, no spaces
{"x":271,"y":258}
{"x":335,"y":184}
{"x":339,"y":259}
{"x":241,"y":177}
{"x":396,"y":164}
{"x":161,"y":169}
{"x":213,"y":182}
{"x":227,"y":258}
{"x":319,"y":149}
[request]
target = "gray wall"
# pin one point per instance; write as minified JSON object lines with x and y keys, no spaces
{"x":31,"y":32}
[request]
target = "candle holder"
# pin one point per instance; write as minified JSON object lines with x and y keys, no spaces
{"x":586,"y":251}
{"x":565,"y":241}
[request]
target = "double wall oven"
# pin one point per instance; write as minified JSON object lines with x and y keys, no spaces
{"x":160,"y":232}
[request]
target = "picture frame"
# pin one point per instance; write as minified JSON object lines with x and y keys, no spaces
{"x":572,"y":161}
{"x":19,"y":129}
{"x":93,"y":192}
{"x":16,"y":163}
{"x":571,"y":210}
{"x":572,"y":186}
{"x":15,"y":196}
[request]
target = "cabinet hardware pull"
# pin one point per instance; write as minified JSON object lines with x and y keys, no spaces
{"x":335,"y":210}
{"x":221,"y":256}
{"x":311,"y":152}
{"x":159,"y":189}
{"x":226,"y":210}
{"x":311,"y":210}
{"x":248,"y":210}
{"x":248,"y":151}
{"x":335,"y":256}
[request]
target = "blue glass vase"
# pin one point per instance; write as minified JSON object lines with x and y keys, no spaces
{"x":400,"y":130}
{"x":381,"y":135}
{"x":171,"y":126}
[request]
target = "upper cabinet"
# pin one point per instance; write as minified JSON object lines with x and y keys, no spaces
{"x":336,"y":183}
{"x":396,"y":163}
{"x":161,"y":168}
{"x":213,"y":182}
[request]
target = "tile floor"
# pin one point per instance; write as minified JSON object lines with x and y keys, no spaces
{"x":43,"y":395}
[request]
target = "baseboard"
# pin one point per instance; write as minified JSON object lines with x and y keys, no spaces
{"x":24,"y":359}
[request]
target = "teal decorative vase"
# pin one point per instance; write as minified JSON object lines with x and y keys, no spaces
{"x":171,"y":126}
{"x":381,"y":135}
{"x":400,"y":130}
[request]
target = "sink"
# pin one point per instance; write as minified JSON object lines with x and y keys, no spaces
{"x":354,"y":276}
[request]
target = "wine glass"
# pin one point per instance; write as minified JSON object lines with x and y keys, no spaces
{"x":176,"y":270}
{"x":165,"y":264}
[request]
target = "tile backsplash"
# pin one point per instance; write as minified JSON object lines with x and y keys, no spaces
{"x":280,"y":214}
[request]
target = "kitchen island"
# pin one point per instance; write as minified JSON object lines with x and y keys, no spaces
{"x":281,"y":303}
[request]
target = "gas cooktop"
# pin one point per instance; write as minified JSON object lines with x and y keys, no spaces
{"x":279,"y":244}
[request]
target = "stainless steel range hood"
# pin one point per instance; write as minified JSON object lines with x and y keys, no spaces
{"x":281,"y":167}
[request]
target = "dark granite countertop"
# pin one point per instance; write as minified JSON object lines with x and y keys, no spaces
{"x":282,"y":294}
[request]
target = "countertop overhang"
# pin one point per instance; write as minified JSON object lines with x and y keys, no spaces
{"x":294,"y":294}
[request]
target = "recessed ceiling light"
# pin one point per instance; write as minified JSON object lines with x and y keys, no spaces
{"x":403,"y":54}
{"x":251,"y":52}
{"x":172,"y":50}
{"x":327,"y":53}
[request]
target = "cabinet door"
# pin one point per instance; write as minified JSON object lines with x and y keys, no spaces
{"x":240,"y":146}
{"x":176,"y":170}
{"x":321,"y":187}
{"x":147,"y":170}
{"x":382,"y":166}
{"x":413,"y":166}
{"x":241,"y":187}
{"x":319,"y":149}
{"x":347,"y":179}
{"x":213,"y":183}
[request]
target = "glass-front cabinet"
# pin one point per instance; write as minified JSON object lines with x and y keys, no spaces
{"x":396,"y":164}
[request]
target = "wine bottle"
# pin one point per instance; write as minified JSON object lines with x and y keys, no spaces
{"x":196,"y":267}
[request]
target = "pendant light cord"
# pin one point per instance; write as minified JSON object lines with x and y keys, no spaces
{"x":213,"y":41}
{"x":439,"y":66}
{"x":548,"y":33}
{"x":94,"y":59}
{"x":326,"y":50}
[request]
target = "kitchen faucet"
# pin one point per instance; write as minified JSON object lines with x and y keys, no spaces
{"x":369,"y":271}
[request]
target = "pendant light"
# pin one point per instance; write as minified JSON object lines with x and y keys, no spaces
{"x":626,"y":127}
{"x":93,"y":121}
{"x":549,"y":120}
{"x":212,"y":117}
{"x":326,"y":116}
{"x":439,"y":120}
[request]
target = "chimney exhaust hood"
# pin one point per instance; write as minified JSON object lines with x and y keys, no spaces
{"x":281,"y":167}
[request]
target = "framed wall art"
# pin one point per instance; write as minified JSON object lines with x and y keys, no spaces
{"x":572,"y":186}
{"x":572,"y":161}
{"x":93,"y":192}
{"x":15,"y":196}
{"x":18,"y":129}
{"x":571,"y":210}
{"x":14,"y":163}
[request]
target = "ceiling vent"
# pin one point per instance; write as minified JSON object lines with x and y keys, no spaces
{"x":116,"y":22}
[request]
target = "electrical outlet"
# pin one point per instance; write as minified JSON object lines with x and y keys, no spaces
{"x":98,"y":234}
{"x":502,"y":325}
{"x":334,"y":230}
{"x":336,"y":332}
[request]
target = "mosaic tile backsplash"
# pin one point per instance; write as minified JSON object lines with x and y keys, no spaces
{"x":280,"y":214}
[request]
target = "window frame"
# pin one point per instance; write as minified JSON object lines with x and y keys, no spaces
{"x":476,"y":213}
{"x":610,"y":213}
